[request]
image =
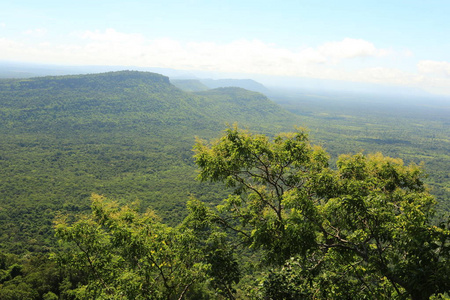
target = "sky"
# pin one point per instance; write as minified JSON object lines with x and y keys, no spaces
{"x":395,"y":42}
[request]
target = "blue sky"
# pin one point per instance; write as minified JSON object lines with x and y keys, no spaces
{"x":396,"y":42}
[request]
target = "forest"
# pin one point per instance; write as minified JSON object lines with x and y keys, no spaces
{"x":122,"y":185}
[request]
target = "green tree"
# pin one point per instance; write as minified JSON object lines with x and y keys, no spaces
{"x":117,"y":252}
{"x":224,"y":270}
{"x":128,"y":255}
{"x":362,"y":230}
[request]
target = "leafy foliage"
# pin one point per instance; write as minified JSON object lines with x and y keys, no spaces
{"x":415,"y":129}
{"x":130,"y":255}
{"x":363,"y":229}
{"x":31,"y":277}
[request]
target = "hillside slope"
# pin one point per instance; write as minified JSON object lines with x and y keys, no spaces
{"x":189,"y":85}
{"x":127,"y":135}
{"x":248,"y":84}
{"x":246,"y":107}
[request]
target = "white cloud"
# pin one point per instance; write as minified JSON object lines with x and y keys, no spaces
{"x":10,"y":49}
{"x":434,"y":67}
{"x":385,"y":75}
{"x":350,"y":48}
{"x":112,"y":36}
{"x":6,"y":43}
{"x":426,"y":79}
{"x":249,"y":56}
{"x":37,"y":32}
{"x":241,"y":56}
{"x":408,"y":53}
{"x":436,"y":75}
{"x":327,"y":61}
{"x":437,"y":85}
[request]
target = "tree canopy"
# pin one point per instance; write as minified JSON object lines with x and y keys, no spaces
{"x":364,"y":229}
{"x":128,"y":135}
{"x":124,"y":254}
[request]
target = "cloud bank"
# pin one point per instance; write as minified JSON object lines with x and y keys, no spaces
{"x":434,"y":67}
{"x":331,"y":60}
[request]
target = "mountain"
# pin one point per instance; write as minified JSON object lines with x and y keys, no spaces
{"x":189,"y":85}
{"x":247,"y":84}
{"x":266,"y":84}
{"x":118,"y":101}
{"x":114,"y":101}
{"x":246,"y":106}
{"x":13,"y":69}
{"x":127,"y":135}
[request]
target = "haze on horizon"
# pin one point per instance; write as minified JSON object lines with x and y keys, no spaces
{"x":395,"y":43}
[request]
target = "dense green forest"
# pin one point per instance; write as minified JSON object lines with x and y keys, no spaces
{"x":128,"y":136}
{"x":189,"y":85}
{"x":414,"y":129}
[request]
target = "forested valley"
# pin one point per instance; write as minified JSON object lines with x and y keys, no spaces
{"x":122,"y":185}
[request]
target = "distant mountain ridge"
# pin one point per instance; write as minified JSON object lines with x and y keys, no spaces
{"x":253,"y":107}
{"x":248,"y":84}
{"x":182,"y":79}
{"x":106,"y":101}
{"x":126,"y":135}
{"x":131,"y":95}
{"x":198,"y":85}
{"x":189,"y":85}
{"x":9,"y":69}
